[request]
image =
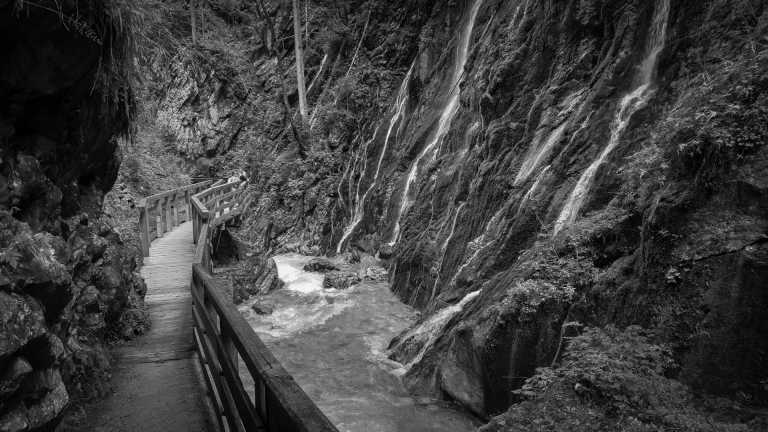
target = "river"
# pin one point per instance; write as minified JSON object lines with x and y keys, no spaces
{"x":334,"y":344}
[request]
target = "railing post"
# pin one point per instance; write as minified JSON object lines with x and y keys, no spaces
{"x":144,"y":228}
{"x":169,"y":213}
{"x":228,"y":343}
{"x":187,"y":206}
{"x":195,"y":224}
{"x":158,"y":218}
{"x":163,"y":217}
{"x":260,"y":396}
{"x":207,"y":264}
{"x":175,"y":214}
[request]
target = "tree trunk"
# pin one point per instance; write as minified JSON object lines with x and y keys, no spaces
{"x":202,"y":18}
{"x":192,"y":16}
{"x":299,"y":60}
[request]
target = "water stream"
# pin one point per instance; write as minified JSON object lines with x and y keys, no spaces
{"x":334,"y":344}
{"x":397,"y":115}
{"x":446,"y":116}
{"x":629,"y":104}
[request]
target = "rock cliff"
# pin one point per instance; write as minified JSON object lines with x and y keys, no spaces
{"x":579,"y":161}
{"x":67,"y":285}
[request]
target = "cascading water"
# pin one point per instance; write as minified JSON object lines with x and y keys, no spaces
{"x":446,"y":117}
{"x":364,"y":162}
{"x":479,"y":244}
{"x":334,"y":344}
{"x":630,"y":103}
{"x":427,"y":333}
{"x":341,"y":182}
{"x":532,"y":190}
{"x":399,"y":111}
{"x":444,"y":249}
{"x":537,"y":153}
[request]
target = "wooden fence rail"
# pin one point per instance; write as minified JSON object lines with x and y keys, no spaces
{"x":160,"y":213}
{"x":225,"y":340}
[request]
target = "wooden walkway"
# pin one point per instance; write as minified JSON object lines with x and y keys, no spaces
{"x":158,"y":386}
{"x":185,"y":374}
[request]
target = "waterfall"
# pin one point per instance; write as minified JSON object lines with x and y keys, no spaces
{"x":532,"y":190}
{"x":399,"y":111}
{"x":446,"y":117}
{"x":480,"y":243}
{"x":629,"y":104}
{"x":537,"y":153}
{"x":341,"y":182}
{"x":364,"y":162}
{"x":429,"y":330}
{"x":444,"y":249}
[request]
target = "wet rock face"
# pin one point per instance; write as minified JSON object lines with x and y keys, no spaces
{"x":674,"y":207}
{"x":258,"y":275}
{"x":67,"y":285}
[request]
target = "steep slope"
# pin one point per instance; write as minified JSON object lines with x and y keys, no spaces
{"x":67,"y":284}
{"x":598,"y":166}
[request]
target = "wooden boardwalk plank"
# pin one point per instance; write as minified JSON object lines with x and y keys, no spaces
{"x":157,"y":381}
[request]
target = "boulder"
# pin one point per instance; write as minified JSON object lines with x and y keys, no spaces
{"x":376,"y":274}
{"x":340,"y":279}
{"x":267,"y":280}
{"x":320,"y":265}
{"x":262,"y":280}
{"x":21,"y":320}
{"x":262,"y":308}
{"x":43,"y":352}
{"x":11,"y":377}
{"x":54,"y":398}
{"x":386,"y":252}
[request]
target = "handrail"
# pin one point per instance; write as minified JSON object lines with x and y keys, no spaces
{"x":161,"y":212}
{"x":223,"y":200}
{"x":224,"y":339}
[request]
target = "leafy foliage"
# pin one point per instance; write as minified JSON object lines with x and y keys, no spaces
{"x":609,"y":380}
{"x":720,"y":119}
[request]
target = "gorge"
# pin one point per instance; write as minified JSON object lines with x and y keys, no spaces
{"x":517,"y":215}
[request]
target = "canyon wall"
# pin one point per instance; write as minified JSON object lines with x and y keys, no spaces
{"x":67,"y":284}
{"x":590,"y":163}
{"x":539,"y":177}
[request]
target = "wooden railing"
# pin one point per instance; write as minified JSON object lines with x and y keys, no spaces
{"x":225,"y":340}
{"x":215,"y":205}
{"x":161,"y":212}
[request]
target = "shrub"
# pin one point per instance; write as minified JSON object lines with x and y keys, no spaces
{"x":609,"y":380}
{"x":720,"y":121}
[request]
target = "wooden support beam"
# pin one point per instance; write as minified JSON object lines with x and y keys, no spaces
{"x":144,"y":228}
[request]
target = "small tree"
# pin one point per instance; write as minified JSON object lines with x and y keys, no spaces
{"x":299,"y":60}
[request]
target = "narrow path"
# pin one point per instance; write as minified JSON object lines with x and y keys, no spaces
{"x":157,"y":382}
